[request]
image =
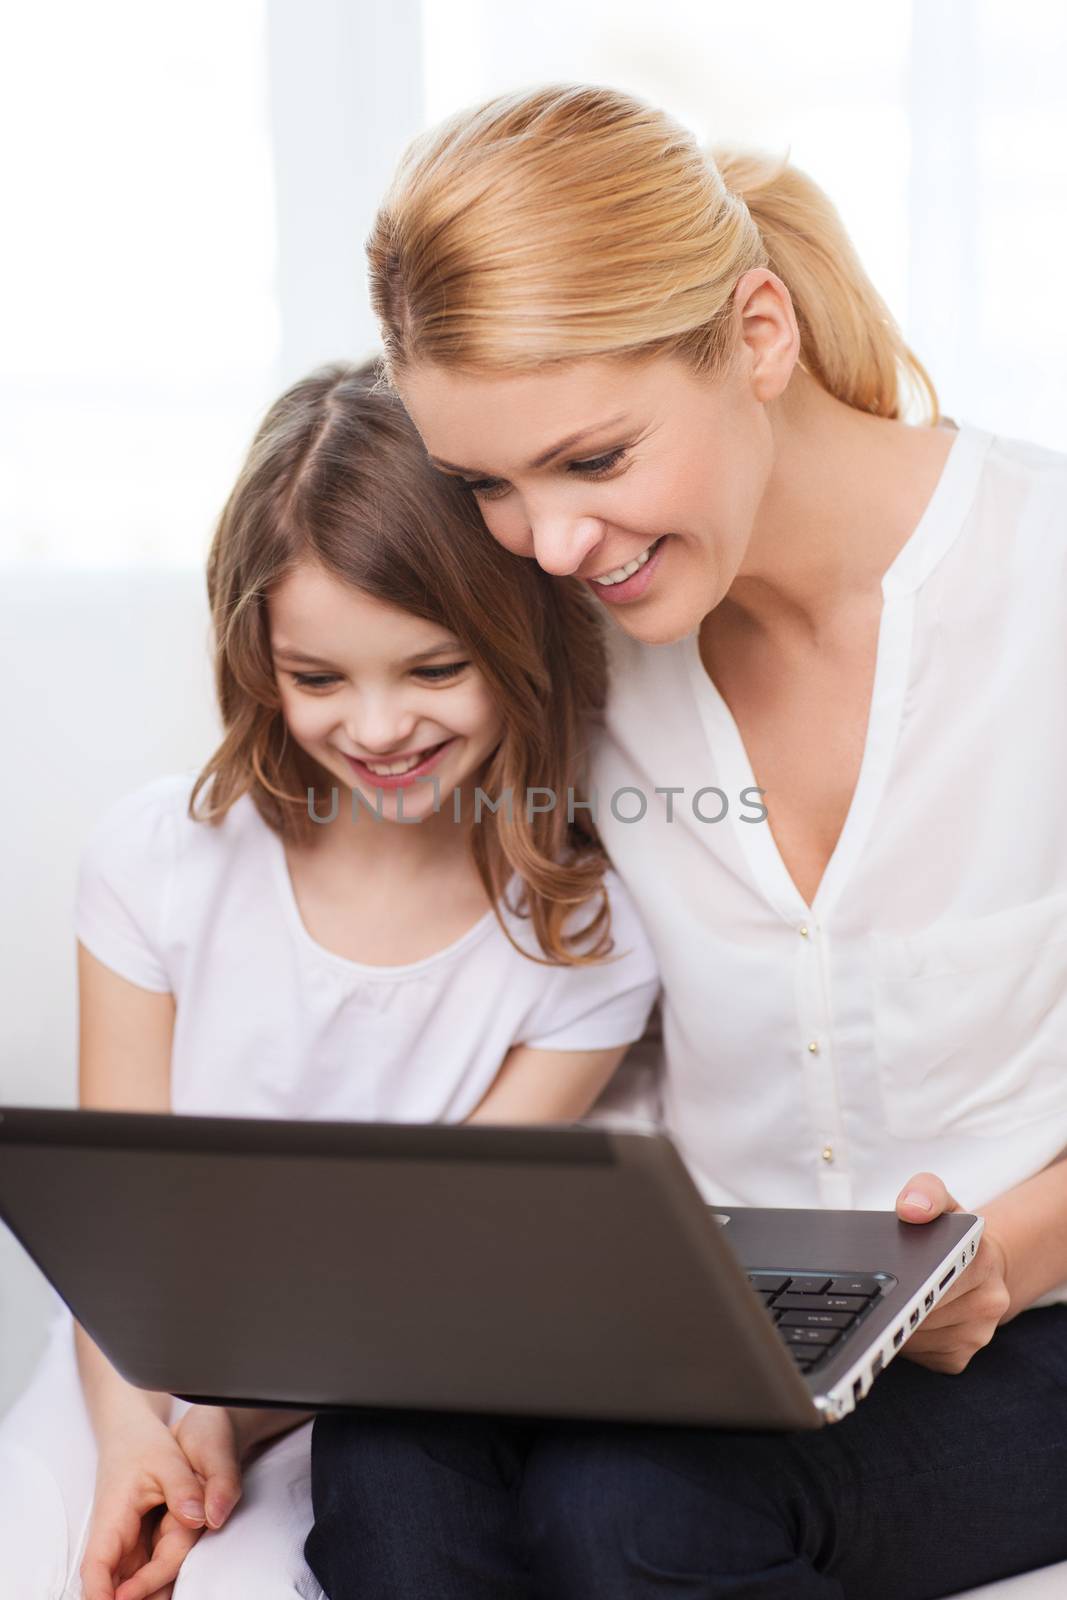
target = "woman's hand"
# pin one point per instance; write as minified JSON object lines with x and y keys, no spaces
{"x":978,"y":1302}
{"x":189,"y":1473}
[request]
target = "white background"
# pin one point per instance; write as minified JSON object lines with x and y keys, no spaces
{"x":186,"y":190}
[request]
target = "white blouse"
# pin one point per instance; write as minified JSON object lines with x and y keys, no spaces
{"x":914,"y":1017}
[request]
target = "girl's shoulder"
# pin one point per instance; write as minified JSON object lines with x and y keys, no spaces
{"x":144,"y":864}
{"x":148,"y":835}
{"x":156,"y":817}
{"x":631,"y":949}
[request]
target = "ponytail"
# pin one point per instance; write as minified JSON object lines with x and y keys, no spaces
{"x":849,"y":341}
{"x":572,"y":221}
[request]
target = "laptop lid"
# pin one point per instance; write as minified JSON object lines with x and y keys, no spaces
{"x":551,"y":1271}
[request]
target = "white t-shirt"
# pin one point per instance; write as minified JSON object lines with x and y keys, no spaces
{"x":915,"y":1016}
{"x":270,"y":1023}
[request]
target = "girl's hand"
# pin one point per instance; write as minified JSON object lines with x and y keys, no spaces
{"x":142,"y":1468}
{"x":978,"y":1302}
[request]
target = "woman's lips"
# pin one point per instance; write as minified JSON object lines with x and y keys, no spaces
{"x":633,"y":587}
{"x":398,"y":780}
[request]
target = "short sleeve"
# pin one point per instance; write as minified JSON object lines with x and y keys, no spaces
{"x":124,"y":883}
{"x":606,"y":1005}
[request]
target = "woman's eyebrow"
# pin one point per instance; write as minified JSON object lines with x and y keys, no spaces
{"x":546,"y":455}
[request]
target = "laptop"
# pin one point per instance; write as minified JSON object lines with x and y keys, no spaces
{"x":567,"y":1272}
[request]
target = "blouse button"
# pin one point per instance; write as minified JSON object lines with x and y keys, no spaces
{"x":803,"y":931}
{"x":827,"y":1152}
{"x":813,"y":1046}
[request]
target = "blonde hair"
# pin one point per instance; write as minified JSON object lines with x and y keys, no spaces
{"x":574,"y":220}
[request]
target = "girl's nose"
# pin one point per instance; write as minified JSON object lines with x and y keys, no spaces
{"x":379,"y":727}
{"x":561,"y":544}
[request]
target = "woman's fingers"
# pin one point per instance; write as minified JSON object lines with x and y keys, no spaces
{"x":923,"y":1198}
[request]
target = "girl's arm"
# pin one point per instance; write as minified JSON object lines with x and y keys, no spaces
{"x":546,"y":1085}
{"x":125,"y":1038}
{"x":124,"y":1044}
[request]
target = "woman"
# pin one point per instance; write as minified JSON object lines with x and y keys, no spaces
{"x":669,"y":376}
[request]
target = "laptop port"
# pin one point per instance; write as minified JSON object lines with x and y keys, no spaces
{"x":857,"y":1389}
{"x":913,"y":1320}
{"x":877,"y":1364}
{"x":898,"y":1338}
{"x":949,"y":1275}
{"x":928,"y":1300}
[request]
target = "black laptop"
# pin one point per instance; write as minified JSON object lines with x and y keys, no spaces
{"x":558,"y":1272}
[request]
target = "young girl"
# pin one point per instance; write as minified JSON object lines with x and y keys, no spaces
{"x":368,"y":905}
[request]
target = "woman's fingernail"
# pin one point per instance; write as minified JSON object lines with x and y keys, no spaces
{"x":218,"y":1511}
{"x":915,"y":1198}
{"x":193,"y":1510}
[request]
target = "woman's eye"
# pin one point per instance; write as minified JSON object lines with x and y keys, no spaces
{"x":599,"y":465}
{"x":313,"y":680}
{"x":441,"y":674}
{"x":494,"y":488}
{"x":484,"y":488}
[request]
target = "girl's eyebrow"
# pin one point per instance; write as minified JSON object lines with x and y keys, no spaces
{"x":449,"y":647}
{"x":546,"y":455}
{"x":446,"y":647}
{"x":283,"y":651}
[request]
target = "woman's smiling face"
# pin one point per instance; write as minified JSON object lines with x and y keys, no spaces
{"x":594,"y":465}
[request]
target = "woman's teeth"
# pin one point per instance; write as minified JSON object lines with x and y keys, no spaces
{"x":394,"y":769}
{"x":622,"y":573}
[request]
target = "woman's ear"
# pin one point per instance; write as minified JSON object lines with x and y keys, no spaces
{"x":768,"y":333}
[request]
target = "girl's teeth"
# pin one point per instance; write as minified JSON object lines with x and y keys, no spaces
{"x":622,"y":573}
{"x":394,"y":768}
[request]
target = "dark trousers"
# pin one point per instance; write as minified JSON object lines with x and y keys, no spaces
{"x":935,"y":1483}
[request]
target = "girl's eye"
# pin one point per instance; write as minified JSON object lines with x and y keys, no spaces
{"x":441,"y":674}
{"x":313,"y":680}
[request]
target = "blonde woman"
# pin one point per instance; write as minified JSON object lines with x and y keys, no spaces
{"x":666,"y":374}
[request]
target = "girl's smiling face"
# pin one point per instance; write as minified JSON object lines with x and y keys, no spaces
{"x":381,"y":699}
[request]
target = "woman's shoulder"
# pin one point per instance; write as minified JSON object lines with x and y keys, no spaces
{"x":1023,"y":478}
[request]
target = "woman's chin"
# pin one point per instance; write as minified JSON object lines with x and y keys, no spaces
{"x":664,"y":620}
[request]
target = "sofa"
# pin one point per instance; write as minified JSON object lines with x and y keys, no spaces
{"x":106,"y":678}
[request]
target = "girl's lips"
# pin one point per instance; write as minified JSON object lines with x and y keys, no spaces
{"x":378,"y":780}
{"x":632,"y":588}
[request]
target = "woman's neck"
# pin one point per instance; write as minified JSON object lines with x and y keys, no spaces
{"x":845,"y":493}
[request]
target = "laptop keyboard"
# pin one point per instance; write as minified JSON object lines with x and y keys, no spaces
{"x":813,"y":1311}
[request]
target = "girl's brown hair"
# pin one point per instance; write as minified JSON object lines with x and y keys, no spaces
{"x":576,"y":220}
{"x":338,"y":476}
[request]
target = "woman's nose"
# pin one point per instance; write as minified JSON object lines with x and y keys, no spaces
{"x":561,"y":544}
